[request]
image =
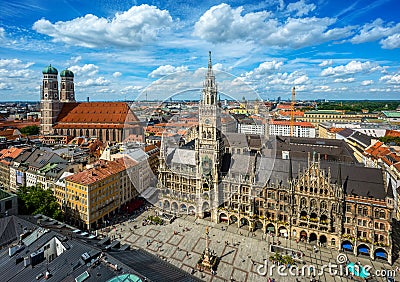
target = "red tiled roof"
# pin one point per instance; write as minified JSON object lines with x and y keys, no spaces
{"x":115,"y":113}
{"x":284,"y":106}
{"x":10,"y":153}
{"x":392,"y":133}
{"x":19,"y":123}
{"x":296,"y":113}
{"x":102,"y":170}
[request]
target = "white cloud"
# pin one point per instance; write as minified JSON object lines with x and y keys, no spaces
{"x":389,"y":33}
{"x":85,"y":70}
{"x":100,"y":81}
{"x":5,"y":86}
{"x":117,"y":74}
{"x":351,"y":68}
{"x":130,"y":88}
{"x":322,"y":88}
{"x":391,"y":79}
{"x":74,"y":60}
{"x":106,"y":90}
{"x":166,"y":70}
{"x":294,"y":78}
{"x":344,"y":80}
{"x":301,"y":8}
{"x":132,"y":28}
{"x":265,"y":68}
{"x":367,"y":82}
{"x":15,"y":68}
{"x":225,"y":24}
{"x":14,"y":64}
{"x":326,"y":63}
{"x":391,"y":42}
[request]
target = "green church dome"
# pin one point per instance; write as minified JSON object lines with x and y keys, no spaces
{"x":50,"y":70}
{"x":67,"y":73}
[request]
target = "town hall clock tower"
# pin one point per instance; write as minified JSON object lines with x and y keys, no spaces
{"x":209,"y":148}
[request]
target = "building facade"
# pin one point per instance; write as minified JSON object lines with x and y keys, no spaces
{"x":91,"y":196}
{"x":240,"y":180}
{"x":300,"y":128}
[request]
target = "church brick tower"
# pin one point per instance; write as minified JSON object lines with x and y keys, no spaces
{"x":49,"y":100}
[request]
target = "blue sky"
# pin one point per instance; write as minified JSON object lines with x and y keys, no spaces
{"x":122,"y":49}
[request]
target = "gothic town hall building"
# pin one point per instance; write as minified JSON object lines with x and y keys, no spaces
{"x":316,"y":196}
{"x":62,"y":115}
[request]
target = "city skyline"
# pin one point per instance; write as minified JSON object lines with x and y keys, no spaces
{"x":327,"y":49}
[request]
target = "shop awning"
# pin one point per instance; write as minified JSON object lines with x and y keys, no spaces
{"x":381,"y":254}
{"x":347,"y":246}
{"x":363,"y":250}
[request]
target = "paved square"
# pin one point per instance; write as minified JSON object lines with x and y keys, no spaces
{"x":152,"y":233}
{"x":241,"y":252}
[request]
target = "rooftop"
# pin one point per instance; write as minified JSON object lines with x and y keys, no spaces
{"x":101,"y":170}
{"x":96,"y":113}
{"x":77,"y":258}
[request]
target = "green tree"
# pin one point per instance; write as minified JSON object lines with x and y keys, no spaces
{"x":30,"y":130}
{"x":390,"y":139}
{"x":36,"y":200}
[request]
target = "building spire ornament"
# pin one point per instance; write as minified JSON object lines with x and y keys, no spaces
{"x":209,"y":63}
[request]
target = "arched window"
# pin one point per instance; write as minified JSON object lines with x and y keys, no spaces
{"x":107,"y":135}
{"x":87,"y":133}
{"x":303,"y":202}
{"x":114,"y":135}
{"x":313,"y":203}
{"x":323,"y":205}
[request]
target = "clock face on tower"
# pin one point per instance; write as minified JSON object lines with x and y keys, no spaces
{"x":207,"y":121}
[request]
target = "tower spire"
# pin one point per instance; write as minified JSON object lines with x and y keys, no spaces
{"x":209,"y":63}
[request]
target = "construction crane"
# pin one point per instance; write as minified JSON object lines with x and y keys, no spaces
{"x":292,"y":111}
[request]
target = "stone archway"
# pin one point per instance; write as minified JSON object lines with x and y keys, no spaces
{"x":323,"y":240}
{"x":206,"y":210}
{"x":303,"y":235}
{"x":166,"y":205}
{"x":192,"y":210}
{"x":283,"y":232}
{"x":347,"y":246}
{"x":363,"y":249}
{"x":244,"y":222}
{"x":380,"y":254}
{"x":313,"y":238}
{"x":183,"y":208}
{"x":258,"y":225}
{"x":223,"y":217}
{"x":174,"y":207}
{"x":233,"y":219}
{"x":270,"y":228}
